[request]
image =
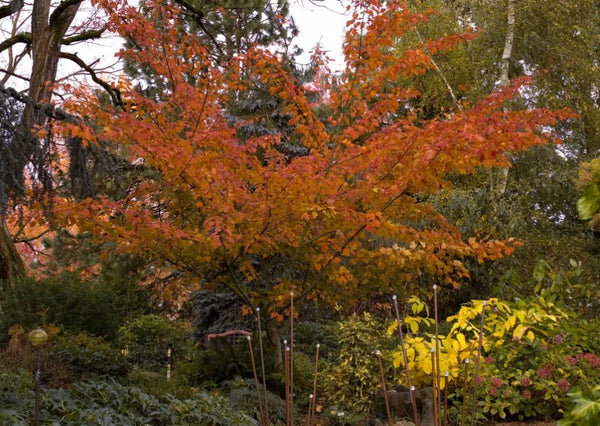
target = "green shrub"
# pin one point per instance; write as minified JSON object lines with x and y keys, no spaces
{"x":15,"y":390}
{"x":354,"y":372}
{"x":308,"y":334}
{"x":97,"y":307}
{"x":219,"y":362}
{"x":146,"y":341}
{"x":241,"y":395}
{"x":87,"y":355}
{"x":529,"y":376}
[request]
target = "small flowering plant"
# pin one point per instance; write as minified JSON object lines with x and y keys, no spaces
{"x":530,"y":375}
{"x":528,"y":362}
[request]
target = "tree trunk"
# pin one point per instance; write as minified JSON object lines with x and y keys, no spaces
{"x":47,"y":32}
{"x":499,"y":176}
{"x":11,"y":265}
{"x":274,"y":335}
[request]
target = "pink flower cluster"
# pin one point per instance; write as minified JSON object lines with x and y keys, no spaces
{"x":571,"y":360}
{"x":545,"y":371}
{"x":525,"y":381}
{"x":592,"y":359}
{"x":563,"y":385}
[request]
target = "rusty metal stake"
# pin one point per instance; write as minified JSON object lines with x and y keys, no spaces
{"x":411,"y":388}
{"x":260,"y":404}
{"x":385,"y":394}
{"x":478,"y":363}
{"x":313,"y":399}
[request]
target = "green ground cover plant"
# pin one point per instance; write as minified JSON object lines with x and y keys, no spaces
{"x":110,"y":403}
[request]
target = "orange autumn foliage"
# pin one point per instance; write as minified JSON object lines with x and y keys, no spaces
{"x":339,"y":223}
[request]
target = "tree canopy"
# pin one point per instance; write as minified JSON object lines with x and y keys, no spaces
{"x":345,"y":219}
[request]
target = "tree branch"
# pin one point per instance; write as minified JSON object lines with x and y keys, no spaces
{"x":18,"y":38}
{"x":197,"y":15}
{"x":12,"y":74}
{"x":47,"y":108}
{"x":115,"y":94}
{"x":191,"y":8}
{"x":13,"y":7}
{"x":34,"y":238}
{"x":56,"y":14}
{"x":84,"y":36}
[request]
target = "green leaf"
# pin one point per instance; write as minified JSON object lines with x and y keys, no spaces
{"x":586,"y":409}
{"x":589,"y":203}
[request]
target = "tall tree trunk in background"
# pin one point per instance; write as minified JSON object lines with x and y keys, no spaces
{"x":499,"y":177}
{"x":47,"y":32}
{"x":11,"y":265}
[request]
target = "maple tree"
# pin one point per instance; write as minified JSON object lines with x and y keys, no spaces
{"x":342,"y":221}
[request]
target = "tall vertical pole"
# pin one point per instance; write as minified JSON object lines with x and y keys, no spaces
{"x":262,"y":363}
{"x":478,"y":363}
{"x":38,"y":374}
{"x":384,"y":388}
{"x":260,"y":405}
{"x":291,"y":357}
{"x":313,"y":400}
{"x":37,"y":339}
{"x":446,"y":374}
{"x":411,"y":388}
{"x":465,"y":389}
{"x":436,"y":407}
{"x":286,"y":366}
{"x":437,"y":348}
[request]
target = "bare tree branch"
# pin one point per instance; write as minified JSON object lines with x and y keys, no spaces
{"x":13,"y":7}
{"x":12,"y":74}
{"x":34,"y":238}
{"x":198,"y":14}
{"x":84,"y":36}
{"x":19,"y":38}
{"x":47,"y":108}
{"x":115,"y":94}
{"x":60,"y":9}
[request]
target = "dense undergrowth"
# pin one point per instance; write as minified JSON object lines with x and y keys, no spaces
{"x":539,"y":360}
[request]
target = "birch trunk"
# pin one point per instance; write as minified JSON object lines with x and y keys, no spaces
{"x":499,"y":177}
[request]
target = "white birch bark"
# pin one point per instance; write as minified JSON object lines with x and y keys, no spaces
{"x":499,"y":177}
